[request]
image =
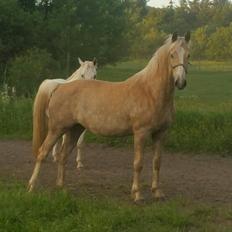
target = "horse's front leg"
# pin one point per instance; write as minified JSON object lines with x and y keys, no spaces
{"x":157,"y":193}
{"x":80,"y":145}
{"x":139,"y":139}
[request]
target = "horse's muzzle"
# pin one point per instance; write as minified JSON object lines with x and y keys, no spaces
{"x":181,"y":84}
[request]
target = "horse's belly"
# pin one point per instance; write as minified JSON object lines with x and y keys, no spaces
{"x":107,"y":125}
{"x":109,"y":131}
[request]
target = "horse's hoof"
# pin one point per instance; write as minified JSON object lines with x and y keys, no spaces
{"x":79,"y":166}
{"x":137,"y":197}
{"x":158,"y":195}
{"x":30,"y":188}
{"x":139,"y":201}
{"x":59,"y":184}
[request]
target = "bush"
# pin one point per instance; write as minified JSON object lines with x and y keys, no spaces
{"x":16,"y":118}
{"x":27,"y":71}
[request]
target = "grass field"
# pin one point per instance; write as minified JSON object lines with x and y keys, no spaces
{"x":204,"y":110}
{"x":61,"y":211}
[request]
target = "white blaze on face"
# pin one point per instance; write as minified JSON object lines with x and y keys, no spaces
{"x":179,"y":72}
{"x":88,"y":70}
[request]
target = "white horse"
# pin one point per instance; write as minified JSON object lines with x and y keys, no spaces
{"x":87,"y":71}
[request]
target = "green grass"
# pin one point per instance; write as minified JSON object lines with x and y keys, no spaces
{"x":16,"y":119}
{"x":204,"y":110}
{"x":62,"y":211}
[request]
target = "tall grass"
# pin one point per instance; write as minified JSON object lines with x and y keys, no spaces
{"x":61,"y":211}
{"x":201,"y":132}
{"x":16,"y":118}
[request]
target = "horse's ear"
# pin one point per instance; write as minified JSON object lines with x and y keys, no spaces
{"x":174,"y":36}
{"x":80,"y":61}
{"x":187,"y":36}
{"x":94,"y":61}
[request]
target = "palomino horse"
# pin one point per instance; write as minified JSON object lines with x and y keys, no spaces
{"x":143,"y":105}
{"x":87,"y":71}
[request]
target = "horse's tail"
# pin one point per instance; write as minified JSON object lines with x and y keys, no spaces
{"x":40,"y":118}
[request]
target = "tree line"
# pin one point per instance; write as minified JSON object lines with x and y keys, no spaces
{"x":43,"y":38}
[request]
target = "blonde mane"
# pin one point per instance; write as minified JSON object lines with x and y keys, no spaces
{"x":159,"y":59}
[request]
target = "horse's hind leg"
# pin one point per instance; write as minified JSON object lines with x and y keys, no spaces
{"x":57,"y":148}
{"x":47,"y":145}
{"x":80,"y":145}
{"x":69,"y":143}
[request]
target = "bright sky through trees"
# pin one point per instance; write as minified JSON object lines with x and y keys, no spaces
{"x":160,"y":3}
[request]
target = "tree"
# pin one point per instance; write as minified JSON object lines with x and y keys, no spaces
{"x":147,"y":37}
{"x":17,"y":30}
{"x":220,"y":44}
{"x":28,"y":70}
{"x":200,"y":40}
{"x":28,"y":5}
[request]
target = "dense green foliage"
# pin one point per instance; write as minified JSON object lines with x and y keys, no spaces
{"x":47,"y":37}
{"x":29,"y":69}
{"x":60,"y":211}
{"x":203,"y":119}
{"x":43,"y":39}
{"x":210,"y":22}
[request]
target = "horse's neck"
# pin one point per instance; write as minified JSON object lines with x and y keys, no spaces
{"x":75,"y":76}
{"x":160,"y":83}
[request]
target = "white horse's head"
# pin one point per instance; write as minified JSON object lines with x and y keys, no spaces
{"x":88,"y":69}
{"x":179,"y":59}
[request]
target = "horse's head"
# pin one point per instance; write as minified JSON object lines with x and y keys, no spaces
{"x":88,"y":69}
{"x":179,"y":59}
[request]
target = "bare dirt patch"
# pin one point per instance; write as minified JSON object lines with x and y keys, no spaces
{"x":108,"y":172}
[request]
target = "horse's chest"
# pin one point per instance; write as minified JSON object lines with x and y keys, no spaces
{"x":161,"y":119}
{"x":166,"y":118}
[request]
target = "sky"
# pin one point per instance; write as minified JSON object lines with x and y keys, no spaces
{"x":160,"y":3}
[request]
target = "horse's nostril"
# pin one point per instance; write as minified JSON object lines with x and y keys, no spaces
{"x":180,"y":84}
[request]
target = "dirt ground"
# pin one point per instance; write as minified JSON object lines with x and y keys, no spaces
{"x":108,"y":172}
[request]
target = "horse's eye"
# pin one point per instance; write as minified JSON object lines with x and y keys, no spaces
{"x":172,"y":56}
{"x":82,"y":75}
{"x":188,"y":55}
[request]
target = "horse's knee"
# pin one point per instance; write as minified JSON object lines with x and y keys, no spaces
{"x":157,"y":163}
{"x":79,"y":146}
{"x":138,"y":166}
